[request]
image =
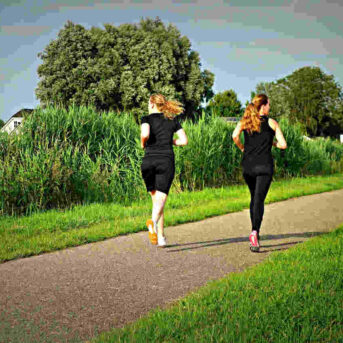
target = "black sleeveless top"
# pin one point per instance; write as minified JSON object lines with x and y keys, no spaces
{"x":257,"y":155}
{"x":162,"y":130}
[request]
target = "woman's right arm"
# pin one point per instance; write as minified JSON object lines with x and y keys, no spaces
{"x":181,"y":138}
{"x":280,"y":139}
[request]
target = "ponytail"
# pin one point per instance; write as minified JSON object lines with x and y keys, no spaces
{"x":251,"y":118}
{"x":169,"y":108}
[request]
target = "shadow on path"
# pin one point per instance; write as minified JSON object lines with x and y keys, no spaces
{"x":224,"y":241}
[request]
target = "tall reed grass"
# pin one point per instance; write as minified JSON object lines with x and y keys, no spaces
{"x":210,"y":159}
{"x":306,"y":157}
{"x":77,"y":156}
{"x":65,"y":157}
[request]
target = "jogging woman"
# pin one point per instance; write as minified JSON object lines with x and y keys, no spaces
{"x":258,"y":165}
{"x":158,"y":165}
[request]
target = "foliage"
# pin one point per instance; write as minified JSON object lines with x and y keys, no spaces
{"x":310,"y":97}
{"x":227,"y":104}
{"x":61,"y":158}
{"x":306,"y":156}
{"x":2,"y":123}
{"x":210,"y":159}
{"x":118,"y":68}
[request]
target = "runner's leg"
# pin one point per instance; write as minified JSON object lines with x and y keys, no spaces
{"x":160,"y":231}
{"x":160,"y":223}
{"x":261,"y":189}
{"x":159,"y":201}
{"x":251,"y":182}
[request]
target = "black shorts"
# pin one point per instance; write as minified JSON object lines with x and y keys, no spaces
{"x":255,"y":170}
{"x":158,"y":172}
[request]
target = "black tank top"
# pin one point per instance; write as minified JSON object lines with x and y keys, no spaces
{"x":162,"y":129}
{"x":257,"y":156}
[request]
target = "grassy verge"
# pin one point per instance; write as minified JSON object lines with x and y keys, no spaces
{"x":294,"y":296}
{"x":53,"y":230}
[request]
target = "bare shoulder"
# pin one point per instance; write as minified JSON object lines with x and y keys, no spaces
{"x":273,"y":123}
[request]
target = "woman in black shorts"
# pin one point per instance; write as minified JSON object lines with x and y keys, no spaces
{"x":258,"y":165}
{"x":158,"y":165}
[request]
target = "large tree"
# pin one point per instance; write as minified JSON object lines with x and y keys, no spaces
{"x":226,"y":103}
{"x":2,"y":123}
{"x":310,"y":97}
{"x":117,"y":68}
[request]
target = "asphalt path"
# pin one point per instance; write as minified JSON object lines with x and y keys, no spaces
{"x":73,"y":294}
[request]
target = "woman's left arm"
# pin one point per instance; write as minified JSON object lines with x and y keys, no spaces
{"x":235,"y":136}
{"x":145,"y":133}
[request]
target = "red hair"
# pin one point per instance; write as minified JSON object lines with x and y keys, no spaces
{"x":170,"y":108}
{"x":251,"y":118}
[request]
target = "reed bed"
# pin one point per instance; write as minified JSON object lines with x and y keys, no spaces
{"x":79,"y":156}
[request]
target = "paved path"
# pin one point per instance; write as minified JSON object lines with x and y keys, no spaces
{"x":71,"y":295}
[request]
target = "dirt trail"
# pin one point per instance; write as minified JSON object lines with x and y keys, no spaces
{"x":73,"y":294}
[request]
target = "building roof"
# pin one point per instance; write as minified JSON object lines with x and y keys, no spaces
{"x":231,"y":119}
{"x":22,"y":113}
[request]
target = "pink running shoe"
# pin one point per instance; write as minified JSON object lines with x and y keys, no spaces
{"x":254,"y":244}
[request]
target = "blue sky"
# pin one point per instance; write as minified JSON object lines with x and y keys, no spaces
{"x":242,"y":42}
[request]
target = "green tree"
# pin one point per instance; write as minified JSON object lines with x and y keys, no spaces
{"x":278,"y":95}
{"x":64,"y":76}
{"x":308,"y":96}
{"x":117,"y":68}
{"x":208,"y":78}
{"x":226,"y":103}
{"x":252,"y":95}
{"x":2,"y":123}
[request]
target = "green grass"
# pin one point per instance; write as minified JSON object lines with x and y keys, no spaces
{"x":294,"y":296}
{"x":54,"y":230}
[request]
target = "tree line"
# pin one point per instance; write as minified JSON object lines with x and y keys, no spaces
{"x":118,"y":68}
{"x":307,"y":96}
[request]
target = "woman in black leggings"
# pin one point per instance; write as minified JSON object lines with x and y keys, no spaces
{"x":258,"y":165}
{"x":158,"y":165}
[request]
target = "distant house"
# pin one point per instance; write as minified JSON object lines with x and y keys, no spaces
{"x":231,"y":119}
{"x":13,"y":123}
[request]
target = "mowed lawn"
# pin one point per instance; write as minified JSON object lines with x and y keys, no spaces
{"x":57,"y":229}
{"x":294,"y":296}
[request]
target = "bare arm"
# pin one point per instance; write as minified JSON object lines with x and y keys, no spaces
{"x":182,"y":138}
{"x":280,"y":139}
{"x":145,"y":133}
{"x":235,"y":136}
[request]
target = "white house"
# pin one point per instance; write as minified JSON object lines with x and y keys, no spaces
{"x":12,"y":124}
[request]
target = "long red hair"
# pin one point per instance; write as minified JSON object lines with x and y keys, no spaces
{"x":251,"y":118}
{"x":170,"y":108}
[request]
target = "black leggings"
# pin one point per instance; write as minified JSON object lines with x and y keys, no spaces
{"x":258,"y":186}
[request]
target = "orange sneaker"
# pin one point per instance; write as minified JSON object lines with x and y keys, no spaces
{"x":152,"y":231}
